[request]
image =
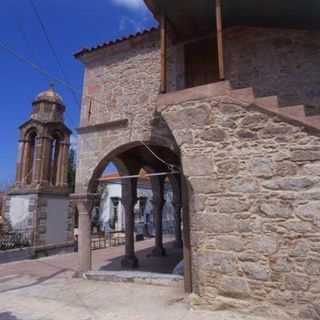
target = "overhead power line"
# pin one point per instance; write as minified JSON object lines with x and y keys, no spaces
{"x":51,"y":46}
{"x":68,"y":86}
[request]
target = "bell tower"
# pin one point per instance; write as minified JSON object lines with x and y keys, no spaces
{"x":39,"y":202}
{"x":44,"y":146}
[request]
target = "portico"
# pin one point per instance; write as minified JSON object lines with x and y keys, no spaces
{"x":129,"y":174}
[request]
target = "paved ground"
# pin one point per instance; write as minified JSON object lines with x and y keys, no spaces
{"x":45,"y":290}
{"x":104,"y":259}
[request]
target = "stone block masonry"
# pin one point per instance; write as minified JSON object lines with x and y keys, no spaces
{"x":253,"y":179}
{"x":255,"y":221}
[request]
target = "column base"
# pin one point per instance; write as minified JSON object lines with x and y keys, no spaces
{"x":130,"y":262}
{"x":158,"y":252}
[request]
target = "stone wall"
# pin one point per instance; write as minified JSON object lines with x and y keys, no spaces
{"x":274,"y":62}
{"x":254,"y":185}
{"x":49,"y":217}
{"x":254,"y":180}
{"x":126,"y":79}
{"x":54,"y":220}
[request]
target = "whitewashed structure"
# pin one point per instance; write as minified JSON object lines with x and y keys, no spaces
{"x":110,"y":216}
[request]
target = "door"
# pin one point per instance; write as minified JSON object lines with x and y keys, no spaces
{"x":201,"y":62}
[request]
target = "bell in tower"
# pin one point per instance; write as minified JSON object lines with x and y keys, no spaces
{"x":39,"y":203}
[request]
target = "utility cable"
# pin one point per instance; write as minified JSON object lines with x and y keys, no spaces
{"x":51,"y":46}
{"x":68,"y":86}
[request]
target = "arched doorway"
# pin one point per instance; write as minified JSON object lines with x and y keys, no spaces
{"x":161,"y":166}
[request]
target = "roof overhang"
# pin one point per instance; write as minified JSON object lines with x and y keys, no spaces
{"x":198,"y":16}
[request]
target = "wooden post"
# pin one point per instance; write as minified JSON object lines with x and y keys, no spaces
{"x":219,"y":39}
{"x":163,"y":41}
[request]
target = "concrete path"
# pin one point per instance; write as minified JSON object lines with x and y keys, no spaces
{"x":45,"y":290}
{"x":62,"y":298}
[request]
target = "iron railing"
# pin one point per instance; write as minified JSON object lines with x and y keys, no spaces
{"x":16,"y":239}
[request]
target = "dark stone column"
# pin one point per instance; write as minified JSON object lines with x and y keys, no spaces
{"x":36,"y":179}
{"x":65,"y":164}
{"x":46,"y":157}
{"x":178,"y":233}
{"x":158,"y":203}
{"x":129,"y":198}
{"x":177,"y":205}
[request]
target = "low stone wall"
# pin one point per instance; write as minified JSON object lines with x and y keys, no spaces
{"x":254,"y":186}
{"x":15,"y":255}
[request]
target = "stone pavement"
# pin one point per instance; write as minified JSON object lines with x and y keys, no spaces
{"x":45,"y":290}
{"x":104,"y":259}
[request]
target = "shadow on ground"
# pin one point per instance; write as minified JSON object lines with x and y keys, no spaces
{"x":8,"y":316}
{"x":34,"y":283}
{"x":149,"y":263}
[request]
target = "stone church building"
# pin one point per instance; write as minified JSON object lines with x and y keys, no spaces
{"x":223,"y":97}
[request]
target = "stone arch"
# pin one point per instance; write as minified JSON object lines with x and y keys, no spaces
{"x":56,"y":153}
{"x":115,"y":153}
{"x":28,"y":155}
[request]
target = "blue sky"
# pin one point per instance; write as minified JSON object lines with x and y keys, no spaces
{"x":71,"y":25}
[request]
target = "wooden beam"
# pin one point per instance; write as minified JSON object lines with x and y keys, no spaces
{"x":163,"y":49}
{"x":219,"y":38}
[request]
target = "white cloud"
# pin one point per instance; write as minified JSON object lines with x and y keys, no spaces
{"x":126,"y":22}
{"x":131,"y":4}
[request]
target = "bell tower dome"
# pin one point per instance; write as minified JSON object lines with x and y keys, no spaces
{"x":48,"y":106}
{"x":44,"y":145}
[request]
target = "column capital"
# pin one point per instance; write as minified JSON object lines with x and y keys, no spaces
{"x":43,"y":137}
{"x":68,"y":144}
{"x":85,"y":202}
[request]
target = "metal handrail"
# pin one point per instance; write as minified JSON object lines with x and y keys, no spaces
{"x":16,"y":239}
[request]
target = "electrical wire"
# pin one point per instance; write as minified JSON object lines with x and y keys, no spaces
{"x":68,"y":86}
{"x":51,"y":46}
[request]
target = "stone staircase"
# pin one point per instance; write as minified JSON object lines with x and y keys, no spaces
{"x":295,"y":114}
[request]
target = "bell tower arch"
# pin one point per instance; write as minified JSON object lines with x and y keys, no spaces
{"x":39,"y":202}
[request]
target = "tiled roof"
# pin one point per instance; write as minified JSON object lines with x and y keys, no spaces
{"x":113,"y":42}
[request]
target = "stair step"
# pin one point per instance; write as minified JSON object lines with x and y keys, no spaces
{"x":271,"y":103}
{"x":296,"y":112}
{"x":243,"y":94}
{"x":313,"y":121}
{"x":140,"y":277}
